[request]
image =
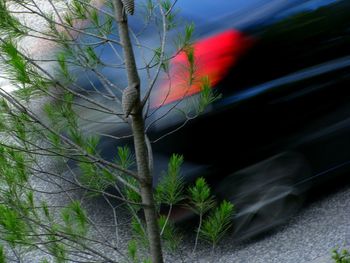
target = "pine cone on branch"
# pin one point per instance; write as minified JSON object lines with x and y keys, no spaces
{"x":129,"y":99}
{"x":129,"y":6}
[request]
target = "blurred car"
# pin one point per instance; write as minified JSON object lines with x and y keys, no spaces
{"x":282,"y":123}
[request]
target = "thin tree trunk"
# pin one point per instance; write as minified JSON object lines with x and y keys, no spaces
{"x":141,"y":151}
{"x":147,"y":189}
{"x":198,"y":231}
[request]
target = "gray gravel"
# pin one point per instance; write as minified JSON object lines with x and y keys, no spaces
{"x":309,"y":237}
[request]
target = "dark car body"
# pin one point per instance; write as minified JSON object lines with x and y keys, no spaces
{"x":283,"y":120}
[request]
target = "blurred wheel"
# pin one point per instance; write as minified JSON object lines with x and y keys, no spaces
{"x":265,"y":194}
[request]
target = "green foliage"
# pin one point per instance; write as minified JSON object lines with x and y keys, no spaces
{"x":68,"y":18}
{"x":9,"y":25}
{"x":94,"y":178}
{"x":31,"y":204}
{"x":79,"y":10}
{"x":158,"y":59}
{"x":13,"y":173}
{"x":132,"y":195}
{"x":139,"y":232}
{"x":107,"y":26}
{"x":19,"y":126}
{"x":132,"y":250}
{"x":189,"y":52}
{"x":217,"y":223}
{"x":55,"y":139}
{"x":46,"y":211}
{"x":150,"y":4}
{"x":170,"y":16}
{"x":170,"y":188}
{"x":91,"y":143}
{"x":200,"y":197}
{"x":342,"y":256}
{"x":207,"y":95}
{"x":189,"y":29}
{"x":91,"y":57}
{"x":75,"y":220}
{"x":62,"y":116}
{"x":125,"y":158}
{"x":14,"y":227}
{"x":94,"y":17}
{"x":56,"y":228}
{"x":2,"y":255}
{"x":61,"y":59}
{"x":17,"y":64}
{"x":3,"y":115}
{"x":63,"y":67}
{"x":170,"y":236}
{"x":56,"y":248}
{"x":184,"y":39}
{"x":35,"y":88}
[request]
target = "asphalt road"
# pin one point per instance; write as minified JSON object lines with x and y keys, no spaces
{"x":308,"y":237}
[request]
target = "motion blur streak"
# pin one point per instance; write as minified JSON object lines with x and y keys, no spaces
{"x":280,"y":130}
{"x":213,"y":58}
{"x":290,"y":79}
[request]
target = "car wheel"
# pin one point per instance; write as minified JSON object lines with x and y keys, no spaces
{"x":265,"y":194}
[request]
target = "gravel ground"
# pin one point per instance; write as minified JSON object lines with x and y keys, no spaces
{"x":309,"y":237}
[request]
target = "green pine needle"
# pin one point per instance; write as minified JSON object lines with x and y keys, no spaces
{"x":125,"y":157}
{"x":132,"y":250}
{"x":17,"y":65}
{"x":9,"y":25}
{"x":342,"y":256}
{"x":171,"y":237}
{"x":75,"y":219}
{"x":14,"y":227}
{"x":217,"y":223}
{"x":200,"y":197}
{"x":170,"y":188}
{"x":2,"y":255}
{"x":207,"y":95}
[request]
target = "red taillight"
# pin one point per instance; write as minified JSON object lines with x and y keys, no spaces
{"x":213,"y":58}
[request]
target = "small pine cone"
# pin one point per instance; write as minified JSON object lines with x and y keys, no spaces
{"x":129,"y":6}
{"x":129,"y":99}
